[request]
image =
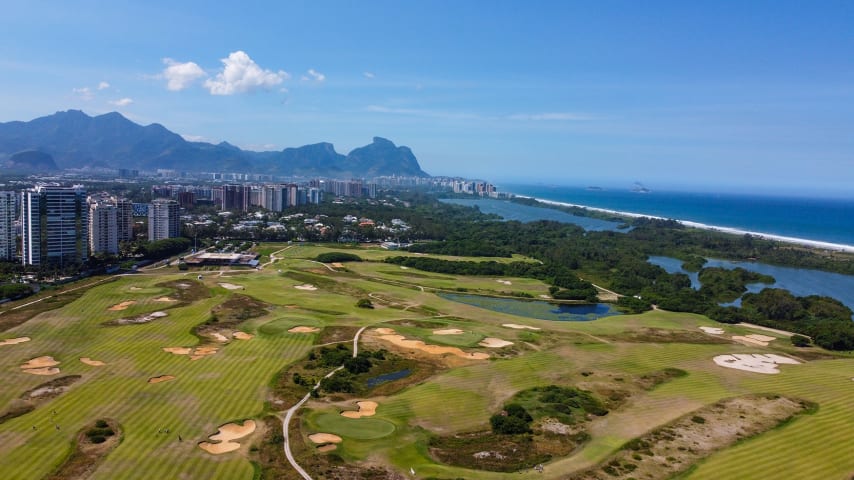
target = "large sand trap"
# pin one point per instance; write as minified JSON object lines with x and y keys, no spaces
{"x":520,"y":327}
{"x":242,"y":335}
{"x":225,"y":435}
{"x":448,"y":331}
{"x":366,"y":409}
{"x":504,"y":282}
{"x":219,"y":337}
{"x":385,"y":331}
{"x":15,"y":341}
{"x":324,"y":438}
{"x":712,"y":330}
{"x":40,"y":362}
{"x":161,"y":378}
{"x":327,"y":448}
{"x":754,"y":339}
{"x":490,"y":342}
{"x":122,"y":306}
{"x":93,"y":363}
{"x":231,"y":286}
{"x":305,"y":286}
{"x":754,"y":362}
{"x":194,"y":353}
{"x":401,"y":341}
{"x":164,"y":299}
{"x":301,"y":329}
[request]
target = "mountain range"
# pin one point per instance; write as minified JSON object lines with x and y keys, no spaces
{"x":75,"y":140}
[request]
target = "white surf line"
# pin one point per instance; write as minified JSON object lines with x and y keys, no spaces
{"x":287,"y":421}
{"x":735,"y":231}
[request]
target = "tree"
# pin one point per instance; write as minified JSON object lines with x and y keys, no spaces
{"x":800,"y":341}
{"x":364,"y":303}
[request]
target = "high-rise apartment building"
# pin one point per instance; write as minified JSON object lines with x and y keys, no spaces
{"x":124,"y":219}
{"x":8,"y":213}
{"x":54,"y":225}
{"x":163,"y":220}
{"x":103,"y":227}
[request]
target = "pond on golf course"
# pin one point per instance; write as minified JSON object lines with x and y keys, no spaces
{"x":536,"y":308}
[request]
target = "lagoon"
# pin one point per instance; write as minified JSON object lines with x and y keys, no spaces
{"x":536,"y":308}
{"x":526,"y":213}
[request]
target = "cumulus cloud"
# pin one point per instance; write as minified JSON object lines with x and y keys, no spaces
{"x":122,"y":102}
{"x":241,"y":74}
{"x":193,"y":138}
{"x":314,"y":75}
{"x":103,"y":86}
{"x":368,"y":74}
{"x":84,"y":92}
{"x":181,"y":75}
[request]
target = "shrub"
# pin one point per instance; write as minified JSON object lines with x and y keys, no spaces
{"x":364,"y":303}
{"x":800,"y":341}
{"x":332,"y":257}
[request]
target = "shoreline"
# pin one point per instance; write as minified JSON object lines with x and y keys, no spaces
{"x":839,"y":247}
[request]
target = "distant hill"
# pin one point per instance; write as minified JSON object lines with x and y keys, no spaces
{"x":75,"y":140}
{"x":31,"y":161}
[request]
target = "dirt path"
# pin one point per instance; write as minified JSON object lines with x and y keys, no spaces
{"x":291,"y":411}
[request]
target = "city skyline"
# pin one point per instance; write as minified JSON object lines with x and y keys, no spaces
{"x":748,"y":97}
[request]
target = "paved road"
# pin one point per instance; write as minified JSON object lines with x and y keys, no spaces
{"x":291,"y":411}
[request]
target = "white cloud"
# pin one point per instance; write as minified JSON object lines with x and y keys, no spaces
{"x":314,"y":75}
{"x":241,"y":74}
{"x":84,"y":92}
{"x":103,"y":86}
{"x":194,"y":138}
{"x":122,"y":102}
{"x":181,"y":75}
{"x":368,"y":74}
{"x":551,"y":116}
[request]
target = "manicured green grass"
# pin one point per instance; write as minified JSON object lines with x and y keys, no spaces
{"x":366,"y":428}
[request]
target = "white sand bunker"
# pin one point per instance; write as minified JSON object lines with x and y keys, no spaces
{"x":194,"y":353}
{"x":135,"y":288}
{"x":320,"y":438}
{"x":242,"y":335}
{"x":45,"y":365}
{"x":231,"y":286}
{"x":338,"y":265}
{"x":713,"y":330}
{"x":219,"y":337}
{"x":504,"y":282}
{"x":366,"y":409}
{"x":141,"y":319}
{"x":448,"y":331}
{"x":161,"y":378}
{"x":754,"y":362}
{"x":385,"y":331}
{"x":122,"y":306}
{"x":93,"y":363}
{"x":302,"y":329}
{"x":490,"y":342}
{"x":306,"y":286}
{"x":519,"y":327}
{"x":164,"y":299}
{"x":401,"y":341}
{"x":754,"y":339}
{"x":404,"y":268}
{"x":225,"y":436}
{"x":15,"y":341}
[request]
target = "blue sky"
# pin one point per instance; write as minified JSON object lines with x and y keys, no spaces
{"x":713,"y":95}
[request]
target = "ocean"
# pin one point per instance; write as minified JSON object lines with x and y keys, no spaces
{"x":818,"y":219}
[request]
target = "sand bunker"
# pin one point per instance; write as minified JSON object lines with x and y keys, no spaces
{"x":219,"y":337}
{"x":505,"y":282}
{"x":338,"y":265}
{"x":712,"y":330}
{"x":385,"y":331}
{"x":93,"y":363}
{"x":178,"y":350}
{"x":448,"y":331}
{"x":401,"y":341}
{"x":327,"y":448}
{"x":135,"y":288}
{"x":242,"y":335}
{"x":324,"y":438}
{"x":305,"y":286}
{"x":122,"y":306}
{"x":40,"y":362}
{"x":225,"y":435}
{"x":141,"y":319}
{"x":519,"y":327}
{"x":15,"y":341}
{"x":754,"y":362}
{"x":164,"y":299}
{"x":490,"y":342}
{"x":404,"y":268}
{"x":231,"y":286}
{"x":302,"y":329}
{"x":202,"y":352}
{"x":754,"y":339}
{"x":366,"y":409}
{"x":161,"y":378}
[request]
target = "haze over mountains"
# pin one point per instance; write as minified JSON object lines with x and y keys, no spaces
{"x":75,"y":140}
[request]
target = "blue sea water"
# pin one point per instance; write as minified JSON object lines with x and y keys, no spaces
{"x":821,"y":219}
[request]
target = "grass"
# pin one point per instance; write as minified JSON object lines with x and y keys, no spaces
{"x":233,"y":384}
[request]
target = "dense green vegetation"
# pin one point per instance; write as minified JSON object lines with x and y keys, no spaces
{"x":331,"y":257}
{"x":722,"y":285}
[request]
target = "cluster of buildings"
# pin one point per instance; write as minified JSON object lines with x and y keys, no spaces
{"x":483,"y":189}
{"x":62,"y":225}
